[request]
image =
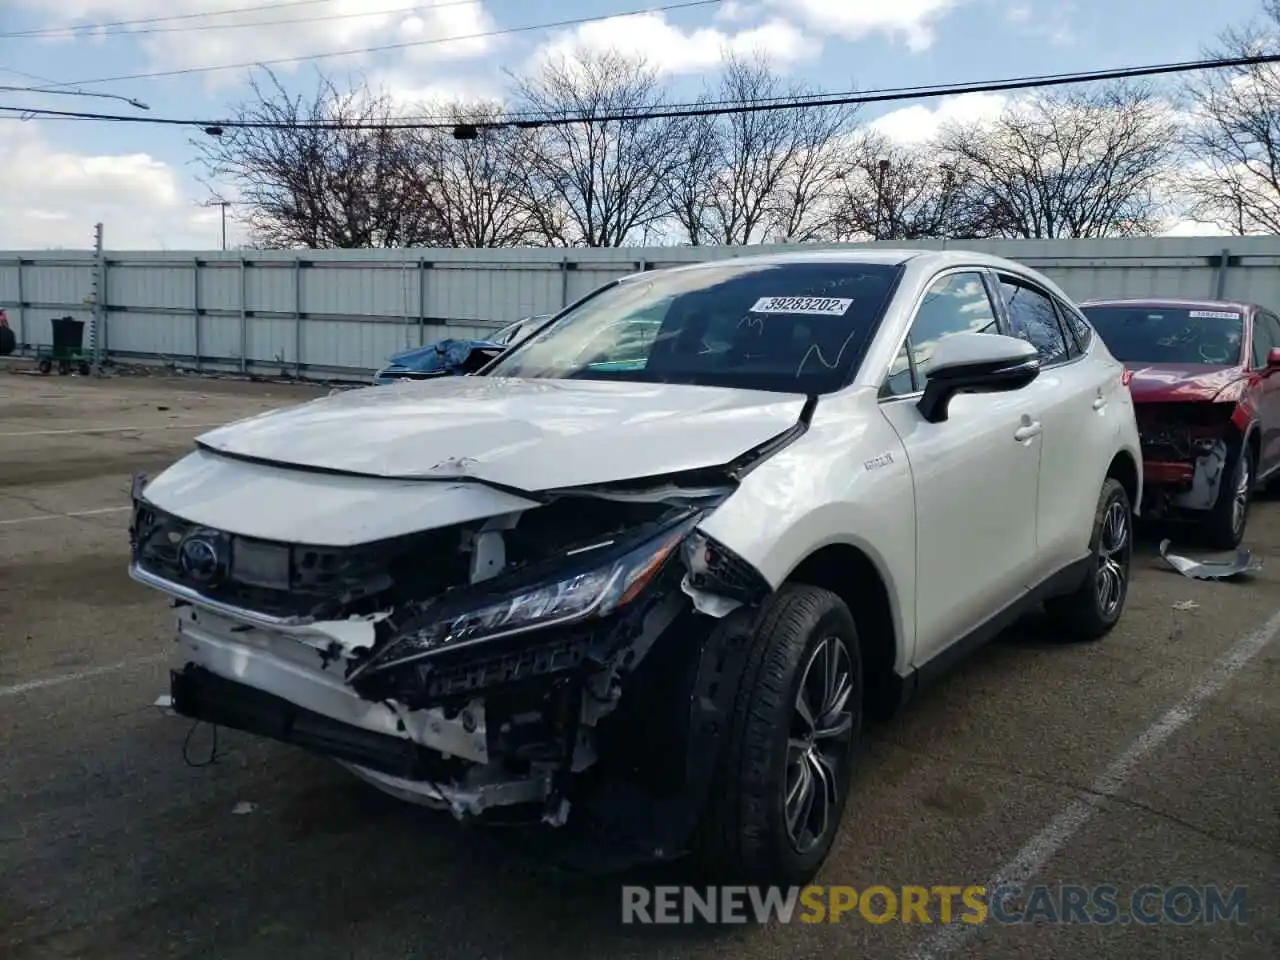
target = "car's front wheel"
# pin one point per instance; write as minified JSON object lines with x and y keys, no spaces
{"x":1223,"y":528}
{"x":1095,"y":606}
{"x":783,"y":778}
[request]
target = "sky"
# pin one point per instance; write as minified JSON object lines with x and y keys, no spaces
{"x":59,"y":177}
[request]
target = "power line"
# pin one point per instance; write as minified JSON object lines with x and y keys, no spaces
{"x":709,"y":108}
{"x":404,"y":45}
{"x":28,"y":76}
{"x":800,"y":100}
{"x":85,"y":27}
{"x":77,"y":93}
{"x":63,"y":32}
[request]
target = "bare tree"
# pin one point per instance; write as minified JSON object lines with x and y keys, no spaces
{"x":327,"y":171}
{"x":597,"y":184}
{"x":1076,"y":164}
{"x":891,"y":191}
{"x":472,"y":185}
{"x":1233,"y":138}
{"x":750,"y":176}
{"x":698,"y":153}
{"x":803,"y":209}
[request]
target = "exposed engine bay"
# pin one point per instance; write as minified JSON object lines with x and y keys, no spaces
{"x":535,"y":658}
{"x":1185,"y":448}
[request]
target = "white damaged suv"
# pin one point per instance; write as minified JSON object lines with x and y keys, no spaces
{"x":646,"y":573}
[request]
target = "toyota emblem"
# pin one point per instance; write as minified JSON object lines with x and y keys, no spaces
{"x":199,"y":560}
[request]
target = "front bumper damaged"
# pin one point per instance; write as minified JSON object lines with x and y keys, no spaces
{"x":612,"y":703}
{"x":1185,"y":451}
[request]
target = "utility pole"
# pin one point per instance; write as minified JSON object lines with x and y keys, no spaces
{"x":97,"y":332}
{"x":223,"y":204}
{"x":882,"y":171}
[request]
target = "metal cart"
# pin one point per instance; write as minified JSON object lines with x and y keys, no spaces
{"x":67,"y":350}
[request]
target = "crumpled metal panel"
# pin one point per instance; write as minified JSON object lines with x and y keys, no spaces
{"x":1210,"y":569}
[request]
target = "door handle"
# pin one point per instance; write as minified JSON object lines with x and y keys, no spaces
{"x":1029,"y":429}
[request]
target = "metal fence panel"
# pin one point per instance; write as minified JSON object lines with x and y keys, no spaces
{"x":319,"y":313}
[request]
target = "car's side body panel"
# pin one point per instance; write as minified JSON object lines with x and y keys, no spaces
{"x":975,"y":498}
{"x":846,"y":480}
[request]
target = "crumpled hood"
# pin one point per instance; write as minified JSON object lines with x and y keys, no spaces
{"x":1167,"y":382}
{"x":537,"y":434}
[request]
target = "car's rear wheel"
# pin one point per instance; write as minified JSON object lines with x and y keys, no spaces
{"x":1094,"y":608}
{"x":783,"y":779}
{"x":1224,"y":527}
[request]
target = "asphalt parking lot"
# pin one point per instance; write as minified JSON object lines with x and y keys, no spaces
{"x":1151,"y":758}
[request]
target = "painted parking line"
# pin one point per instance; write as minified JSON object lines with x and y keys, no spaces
{"x":89,"y":673}
{"x":59,"y":433}
{"x":63,"y":516}
{"x":1060,"y":831}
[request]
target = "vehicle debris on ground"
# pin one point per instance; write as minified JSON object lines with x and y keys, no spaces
{"x":1238,"y":565}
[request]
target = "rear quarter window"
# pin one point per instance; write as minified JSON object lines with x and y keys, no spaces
{"x":1076,"y":324}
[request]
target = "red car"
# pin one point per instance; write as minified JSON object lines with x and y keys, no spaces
{"x":1205,"y":385}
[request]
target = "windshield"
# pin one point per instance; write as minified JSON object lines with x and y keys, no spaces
{"x":791,"y":327}
{"x":1169,"y":334}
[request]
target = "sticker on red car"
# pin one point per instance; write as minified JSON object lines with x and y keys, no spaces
{"x":1214,"y":315}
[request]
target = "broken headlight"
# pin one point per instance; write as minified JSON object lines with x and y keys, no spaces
{"x":615,"y":575}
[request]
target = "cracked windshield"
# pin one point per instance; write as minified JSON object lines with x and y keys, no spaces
{"x":1164,"y":335}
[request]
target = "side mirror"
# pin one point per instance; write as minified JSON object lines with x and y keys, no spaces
{"x":1273,"y":358}
{"x":975,"y":363}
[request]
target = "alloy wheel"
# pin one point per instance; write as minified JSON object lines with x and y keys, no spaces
{"x":1240,"y":498}
{"x":1114,"y":547}
{"x":817,"y":749}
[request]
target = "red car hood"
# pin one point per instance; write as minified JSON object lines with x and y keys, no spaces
{"x":1168,"y":382}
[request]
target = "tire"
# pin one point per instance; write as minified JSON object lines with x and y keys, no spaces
{"x":8,"y":341}
{"x":85,"y":370}
{"x":744,"y":836}
{"x":44,"y":366}
{"x":1094,"y":608}
{"x":1224,"y":527}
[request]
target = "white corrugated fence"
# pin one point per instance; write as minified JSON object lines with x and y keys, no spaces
{"x":340,"y":313}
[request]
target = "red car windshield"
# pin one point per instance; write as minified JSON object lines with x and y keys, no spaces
{"x":1175,"y":335}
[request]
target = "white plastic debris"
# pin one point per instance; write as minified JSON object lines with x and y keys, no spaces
{"x":243,"y":808}
{"x":1242,"y":562}
{"x":164,"y":703}
{"x":1186,"y":605}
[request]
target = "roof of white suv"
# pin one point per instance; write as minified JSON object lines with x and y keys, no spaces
{"x":889,"y":256}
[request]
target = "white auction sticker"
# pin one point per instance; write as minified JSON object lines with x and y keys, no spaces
{"x":1214,"y":315}
{"x":822,"y":306}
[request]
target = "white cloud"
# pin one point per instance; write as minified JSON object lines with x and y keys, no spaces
{"x":51,"y":197}
{"x":410,"y":91}
{"x":670,"y":49}
{"x":1191,"y":228}
{"x":918,"y":123}
{"x":912,"y":20}
{"x":440,"y":19}
{"x":330,"y":26}
{"x":1052,"y":23}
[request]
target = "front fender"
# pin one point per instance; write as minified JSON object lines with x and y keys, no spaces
{"x":846,"y":481}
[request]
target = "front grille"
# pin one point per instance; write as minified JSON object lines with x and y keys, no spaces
{"x":283,"y":579}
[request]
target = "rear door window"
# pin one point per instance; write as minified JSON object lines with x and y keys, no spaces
{"x":1034,"y":319}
